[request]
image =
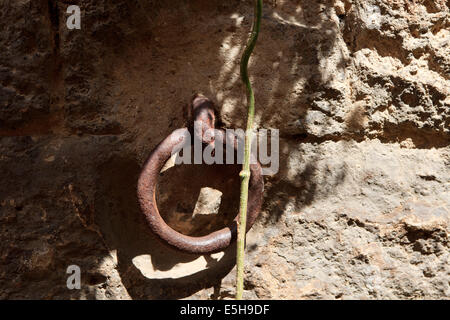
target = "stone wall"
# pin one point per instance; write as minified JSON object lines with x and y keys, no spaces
{"x":359,"y":90}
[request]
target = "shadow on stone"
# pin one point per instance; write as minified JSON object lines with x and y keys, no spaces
{"x":148,"y":268}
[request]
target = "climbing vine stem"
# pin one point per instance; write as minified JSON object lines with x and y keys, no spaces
{"x":245,"y":173}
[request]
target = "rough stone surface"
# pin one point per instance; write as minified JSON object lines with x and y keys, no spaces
{"x":358,"y":89}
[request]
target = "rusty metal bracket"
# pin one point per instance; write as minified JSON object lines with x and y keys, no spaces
{"x":202,"y":110}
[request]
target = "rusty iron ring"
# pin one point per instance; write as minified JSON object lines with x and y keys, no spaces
{"x":217,"y":240}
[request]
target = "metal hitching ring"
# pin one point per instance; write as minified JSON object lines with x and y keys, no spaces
{"x":203,"y":110}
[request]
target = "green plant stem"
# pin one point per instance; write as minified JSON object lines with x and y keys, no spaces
{"x":245,"y":173}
